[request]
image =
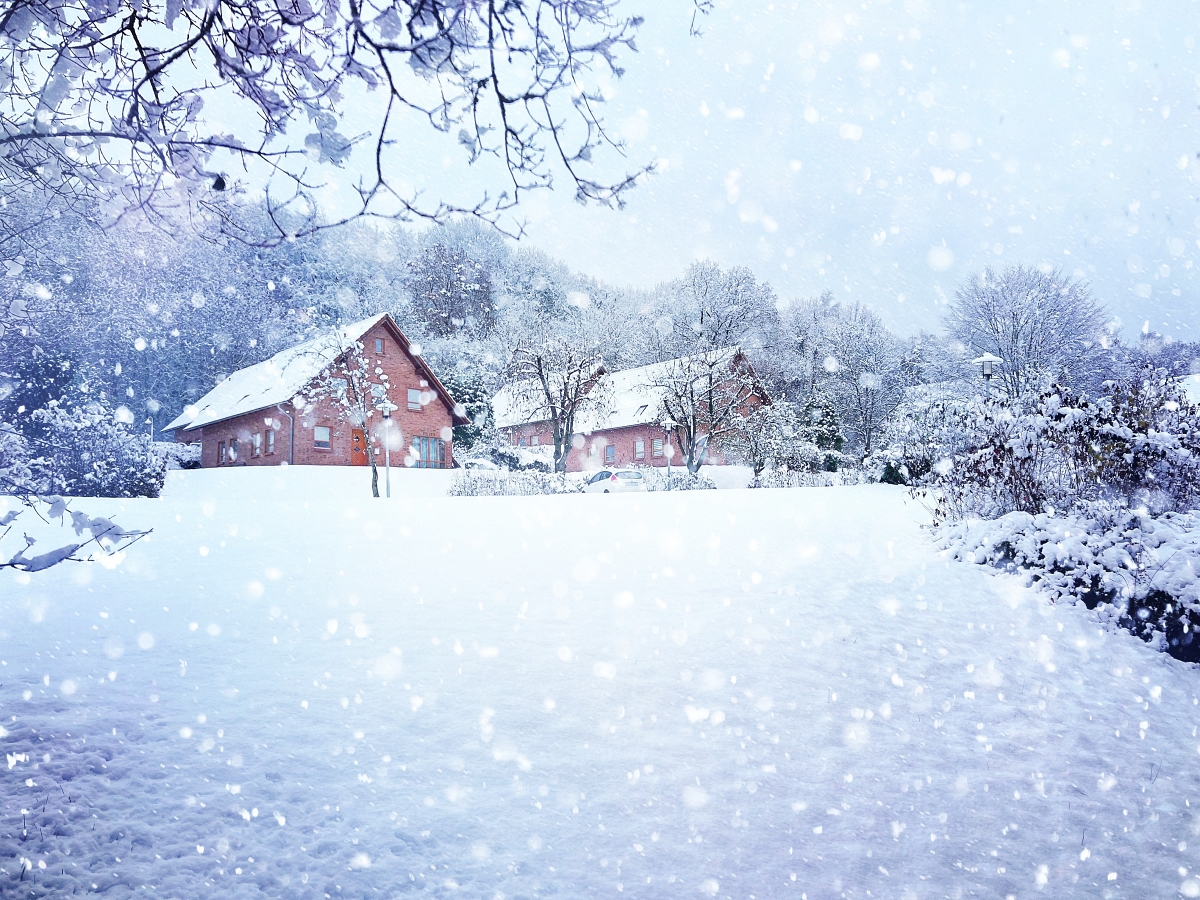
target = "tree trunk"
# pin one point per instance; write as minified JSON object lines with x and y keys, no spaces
{"x":374,"y":474}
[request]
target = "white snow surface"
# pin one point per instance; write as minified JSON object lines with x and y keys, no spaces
{"x":272,"y":381}
{"x":293,"y":690}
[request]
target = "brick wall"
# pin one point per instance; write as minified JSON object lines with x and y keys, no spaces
{"x":624,"y":444}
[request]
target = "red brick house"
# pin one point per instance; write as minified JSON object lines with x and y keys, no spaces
{"x":282,"y":411}
{"x":629,"y":431}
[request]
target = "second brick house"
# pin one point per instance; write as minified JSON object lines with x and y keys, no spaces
{"x":629,"y":430}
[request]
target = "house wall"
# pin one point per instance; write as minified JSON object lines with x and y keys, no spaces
{"x":431,"y":420}
{"x":589,"y":456}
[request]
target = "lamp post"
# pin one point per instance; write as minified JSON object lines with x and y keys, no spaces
{"x":668,"y":450}
{"x":987,"y":364}
{"x":150,"y":422}
{"x":385,"y":406}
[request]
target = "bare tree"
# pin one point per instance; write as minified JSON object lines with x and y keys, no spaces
{"x":553,"y":376}
{"x":1044,"y":326}
{"x":107,"y":100}
{"x":707,"y":397}
{"x":865,"y":373}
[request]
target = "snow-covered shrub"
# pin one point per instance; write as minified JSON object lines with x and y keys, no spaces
{"x":681,"y":480}
{"x":176,"y":455}
{"x":503,"y":483}
{"x":498,"y":448}
{"x":1139,"y":444}
{"x":87,"y":451}
{"x":929,"y":426}
{"x":1088,"y":496}
{"x":784,"y":435}
{"x":1142,"y":568}
{"x":781,"y":477}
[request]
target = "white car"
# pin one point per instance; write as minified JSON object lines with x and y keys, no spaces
{"x":615,"y":481}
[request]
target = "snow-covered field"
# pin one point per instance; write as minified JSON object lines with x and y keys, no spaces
{"x":292,"y":690}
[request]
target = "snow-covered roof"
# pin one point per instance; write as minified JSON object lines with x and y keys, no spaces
{"x":631,"y":397}
{"x":272,"y":381}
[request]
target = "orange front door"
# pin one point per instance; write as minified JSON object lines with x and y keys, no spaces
{"x":358,"y":448}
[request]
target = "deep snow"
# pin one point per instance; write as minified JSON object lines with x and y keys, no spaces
{"x":292,"y":690}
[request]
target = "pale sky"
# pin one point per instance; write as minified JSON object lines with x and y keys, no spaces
{"x":886,"y":150}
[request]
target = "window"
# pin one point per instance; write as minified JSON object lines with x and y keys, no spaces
{"x":271,"y":440}
{"x":639,"y":449}
{"x":657,"y":447}
{"x":220,"y":452}
{"x":321,"y":438}
{"x":339,"y":386}
{"x":430,"y":453}
{"x":233,"y":450}
{"x":534,"y":441}
{"x":414,"y":399}
{"x":521,"y":442}
{"x":256,"y":444}
{"x":379,"y":346}
{"x":610,"y":454}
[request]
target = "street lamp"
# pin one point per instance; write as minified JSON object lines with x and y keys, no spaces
{"x":668,"y":450}
{"x":987,"y":364}
{"x":385,"y":406}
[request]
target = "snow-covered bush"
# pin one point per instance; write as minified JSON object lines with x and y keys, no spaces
{"x":782,"y":477}
{"x":87,"y":451}
{"x":1138,"y":444}
{"x":1089,"y":496}
{"x":681,"y":480}
{"x":784,"y":435}
{"x":927,"y":427}
{"x":177,"y":455}
{"x":1143,"y":568}
{"x":502,"y":483}
{"x":498,"y":448}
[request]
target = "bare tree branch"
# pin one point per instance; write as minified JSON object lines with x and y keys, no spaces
{"x":107,"y":101}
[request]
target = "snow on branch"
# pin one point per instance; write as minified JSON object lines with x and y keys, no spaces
{"x":121,"y":101}
{"x":98,"y":538}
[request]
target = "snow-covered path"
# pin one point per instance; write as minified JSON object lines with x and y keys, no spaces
{"x":292,"y":690}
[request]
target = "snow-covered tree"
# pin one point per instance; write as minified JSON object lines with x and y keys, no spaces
{"x":784,"y":435}
{"x":105,"y":100}
{"x":553,"y":375}
{"x":708,"y":308}
{"x":865,"y":374}
{"x":1047,"y":328}
{"x":708,"y":397}
{"x":451,"y":292}
{"x":355,"y":386}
